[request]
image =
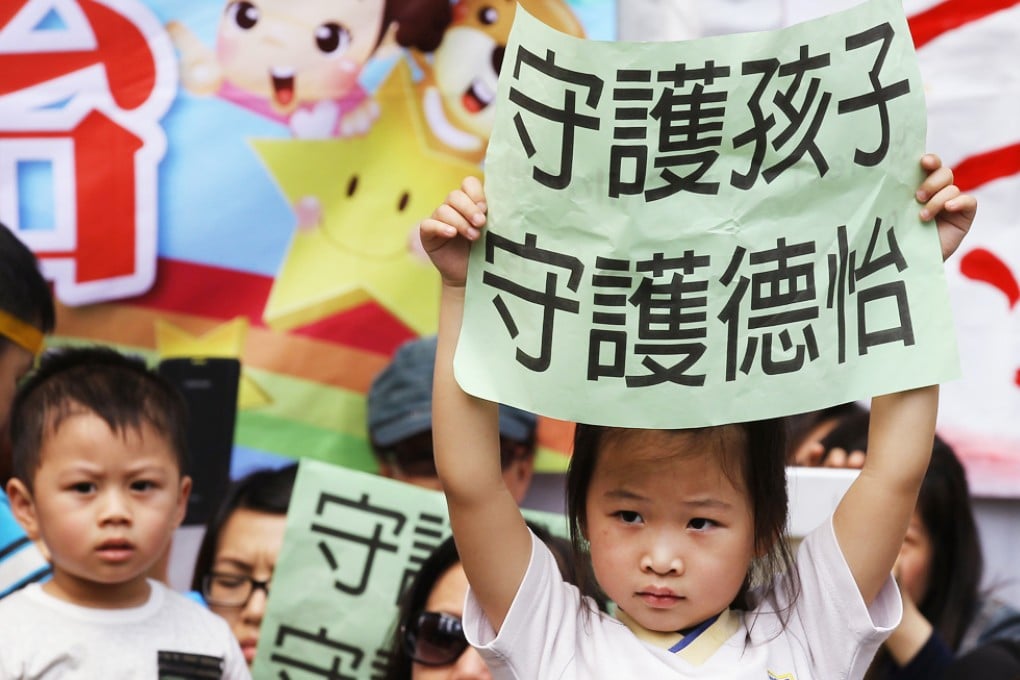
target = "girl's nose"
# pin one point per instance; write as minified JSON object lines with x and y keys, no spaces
{"x":662,"y":558}
{"x":470,"y":666}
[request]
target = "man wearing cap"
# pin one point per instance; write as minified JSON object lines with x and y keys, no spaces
{"x":400,"y":423}
{"x":26,"y":314}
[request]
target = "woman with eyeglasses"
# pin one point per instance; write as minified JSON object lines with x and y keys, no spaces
{"x":238,"y":553}
{"x":428,"y":642}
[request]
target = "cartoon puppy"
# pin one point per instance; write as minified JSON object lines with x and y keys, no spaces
{"x":298,"y":61}
{"x":459,"y":85}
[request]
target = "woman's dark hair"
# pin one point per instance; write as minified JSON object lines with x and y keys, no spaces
{"x":943,"y":503}
{"x":398,"y":663}
{"x":759,"y":467}
{"x":266,"y":491}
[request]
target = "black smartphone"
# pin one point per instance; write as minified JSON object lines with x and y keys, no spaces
{"x":210,"y":389}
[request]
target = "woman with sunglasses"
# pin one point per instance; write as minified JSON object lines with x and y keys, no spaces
{"x":238,"y":553}
{"x":428,"y":642}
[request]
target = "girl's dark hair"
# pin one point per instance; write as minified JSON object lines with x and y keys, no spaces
{"x":412,"y":601}
{"x":266,"y":491}
{"x":762,"y":472}
{"x":420,"y":23}
{"x":119,"y":389}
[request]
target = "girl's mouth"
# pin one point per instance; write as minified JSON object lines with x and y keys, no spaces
{"x":282,"y":80}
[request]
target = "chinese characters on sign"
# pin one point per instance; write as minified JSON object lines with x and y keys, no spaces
{"x":678,"y":227}
{"x":354,"y":542}
{"x":83,"y":87}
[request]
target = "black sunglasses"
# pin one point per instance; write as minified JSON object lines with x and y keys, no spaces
{"x":434,"y":638}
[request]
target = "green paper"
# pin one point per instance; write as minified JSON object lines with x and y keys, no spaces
{"x":731,"y":235}
{"x":353,"y":542}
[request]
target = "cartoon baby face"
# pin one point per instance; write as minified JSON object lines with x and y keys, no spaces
{"x":297,"y":51}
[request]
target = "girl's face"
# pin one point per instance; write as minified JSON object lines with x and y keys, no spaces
{"x":914,"y":561}
{"x":248,"y":546}
{"x":447,"y":597}
{"x":297,"y":51}
{"x":671,"y":537}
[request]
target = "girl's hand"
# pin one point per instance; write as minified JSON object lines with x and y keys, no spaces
{"x":952,"y":211}
{"x":446,"y":236}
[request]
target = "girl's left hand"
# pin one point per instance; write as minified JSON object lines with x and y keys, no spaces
{"x":952,"y":210}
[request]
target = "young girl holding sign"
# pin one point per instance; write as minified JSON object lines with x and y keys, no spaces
{"x":684,"y":528}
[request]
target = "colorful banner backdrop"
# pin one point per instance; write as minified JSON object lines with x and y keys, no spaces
{"x":692,"y":233}
{"x":244,"y":179}
{"x":353,"y":543}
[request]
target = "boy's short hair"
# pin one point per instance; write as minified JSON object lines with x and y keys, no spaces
{"x":24,"y":294}
{"x":119,"y":389}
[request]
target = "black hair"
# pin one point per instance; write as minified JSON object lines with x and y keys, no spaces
{"x":267,"y":490}
{"x":758,"y":467}
{"x":119,"y":389}
{"x":24,"y":293}
{"x":412,"y":601}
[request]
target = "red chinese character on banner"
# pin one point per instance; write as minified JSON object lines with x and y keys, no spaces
{"x":83,"y":85}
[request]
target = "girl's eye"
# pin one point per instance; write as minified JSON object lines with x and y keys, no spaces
{"x":332,"y":38}
{"x":700,"y":523}
{"x":629,"y":517}
{"x":244,"y":14}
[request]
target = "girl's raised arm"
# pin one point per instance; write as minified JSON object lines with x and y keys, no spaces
{"x":488,"y":528}
{"x":873,"y":516}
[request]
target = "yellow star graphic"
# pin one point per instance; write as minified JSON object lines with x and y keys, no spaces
{"x":226,"y":340}
{"x":358,"y":202}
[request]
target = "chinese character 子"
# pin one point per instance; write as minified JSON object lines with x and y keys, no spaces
{"x":306,"y":646}
{"x":545,"y":296}
{"x":803,"y":112}
{"x":566,"y":115}
{"x":80,"y":104}
{"x":883,"y":292}
{"x":345,"y":545}
{"x":880,"y":95}
{"x":775,"y":302}
{"x":670,"y":304}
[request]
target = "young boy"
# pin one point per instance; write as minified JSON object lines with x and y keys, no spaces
{"x":99,"y":444}
{"x":26,"y":314}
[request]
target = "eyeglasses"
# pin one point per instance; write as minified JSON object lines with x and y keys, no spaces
{"x":434,"y":638}
{"x":230,"y":590}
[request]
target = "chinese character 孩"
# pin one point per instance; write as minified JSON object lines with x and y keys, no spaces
{"x":567,"y":116}
{"x":803,"y":114}
{"x":671,"y":307}
{"x":428,"y":534}
{"x":782,"y":296}
{"x":547,"y":297}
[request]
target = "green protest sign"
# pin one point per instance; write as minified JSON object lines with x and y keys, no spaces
{"x":692,"y":233}
{"x":353,"y":543}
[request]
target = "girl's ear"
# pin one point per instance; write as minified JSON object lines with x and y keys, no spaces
{"x":23,"y":507}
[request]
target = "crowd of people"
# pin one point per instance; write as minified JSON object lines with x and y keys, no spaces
{"x":676,"y":566}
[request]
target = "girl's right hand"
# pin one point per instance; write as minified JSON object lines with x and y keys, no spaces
{"x":446,"y":236}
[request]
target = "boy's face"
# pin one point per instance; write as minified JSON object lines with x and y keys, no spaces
{"x":106,"y":505}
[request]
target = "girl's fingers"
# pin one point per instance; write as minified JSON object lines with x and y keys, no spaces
{"x":472,"y":187}
{"x":855,"y":460}
{"x":935,"y":181}
{"x":938,"y":201}
{"x":930,"y":161}
{"x":836,"y":458}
